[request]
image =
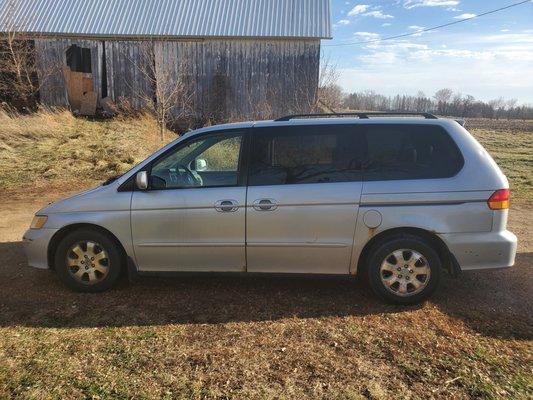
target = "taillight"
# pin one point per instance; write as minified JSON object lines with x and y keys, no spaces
{"x":499,"y":199}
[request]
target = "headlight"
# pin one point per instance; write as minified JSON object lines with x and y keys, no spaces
{"x":38,"y":221}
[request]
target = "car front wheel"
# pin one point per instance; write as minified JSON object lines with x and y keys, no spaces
{"x":88,"y":260}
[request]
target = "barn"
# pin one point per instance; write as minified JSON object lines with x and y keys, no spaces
{"x":235,"y":57}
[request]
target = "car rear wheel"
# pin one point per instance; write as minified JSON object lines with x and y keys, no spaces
{"x":87,"y":260}
{"x":404,"y":270}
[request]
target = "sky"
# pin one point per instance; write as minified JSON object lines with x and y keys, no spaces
{"x":487,"y":57}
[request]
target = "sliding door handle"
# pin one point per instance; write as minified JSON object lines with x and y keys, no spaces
{"x":227,"y":205}
{"x":265,"y":205}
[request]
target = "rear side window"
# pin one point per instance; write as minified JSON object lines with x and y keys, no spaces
{"x":410,"y":152}
{"x":305,"y":154}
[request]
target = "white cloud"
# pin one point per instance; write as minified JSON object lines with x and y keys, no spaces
{"x":386,"y":24}
{"x":430,"y":3}
{"x":379,"y":58}
{"x":505,"y":30}
{"x":465,"y":16}
{"x":402,"y":66}
{"x":367,"y":35}
{"x":378,"y":14}
{"x":367,"y":11}
{"x":417,"y":30}
{"x":358,"y":9}
{"x":344,"y":22}
{"x":389,"y":74}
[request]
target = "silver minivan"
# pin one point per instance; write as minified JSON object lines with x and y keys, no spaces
{"x":394,"y":200}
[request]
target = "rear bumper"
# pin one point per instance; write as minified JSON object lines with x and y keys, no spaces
{"x":36,"y":246}
{"x":486,"y":250}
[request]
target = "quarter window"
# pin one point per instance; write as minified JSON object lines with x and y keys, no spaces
{"x":410,"y":152}
{"x":305,"y":154}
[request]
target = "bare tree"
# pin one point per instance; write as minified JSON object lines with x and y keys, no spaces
{"x":330,"y":94}
{"x":21,"y":75}
{"x":169,"y":93}
{"x":443,"y":97}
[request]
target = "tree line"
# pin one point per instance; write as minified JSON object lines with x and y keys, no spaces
{"x":443,"y":102}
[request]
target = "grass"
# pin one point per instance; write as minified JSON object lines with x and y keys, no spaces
{"x":511,"y":145}
{"x":58,"y":149}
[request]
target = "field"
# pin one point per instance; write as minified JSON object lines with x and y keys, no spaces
{"x":215,"y":337}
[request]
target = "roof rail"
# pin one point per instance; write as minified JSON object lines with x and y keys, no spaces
{"x":360,"y":115}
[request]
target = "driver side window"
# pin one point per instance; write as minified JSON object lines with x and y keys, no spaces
{"x":209,"y":161}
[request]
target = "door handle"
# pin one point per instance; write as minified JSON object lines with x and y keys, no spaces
{"x":265,"y":205}
{"x":227,"y":205}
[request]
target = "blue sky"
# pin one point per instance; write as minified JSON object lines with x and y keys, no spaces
{"x":487,"y":57}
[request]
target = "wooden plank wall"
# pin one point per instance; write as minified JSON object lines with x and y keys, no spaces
{"x":245,"y":78}
{"x":51,"y":57}
{"x":126,"y":80}
{"x":229,"y":78}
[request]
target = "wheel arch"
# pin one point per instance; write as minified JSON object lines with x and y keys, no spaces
{"x":446,"y":257}
{"x":67,"y":229}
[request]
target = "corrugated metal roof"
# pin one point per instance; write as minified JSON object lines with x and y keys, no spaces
{"x":169,"y":18}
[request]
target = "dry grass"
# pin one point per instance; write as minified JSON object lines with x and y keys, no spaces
{"x":58,"y":149}
{"x":511,"y":145}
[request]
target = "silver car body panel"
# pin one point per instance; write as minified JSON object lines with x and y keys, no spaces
{"x":314,"y":228}
{"x":181,"y":230}
{"x":311,"y":227}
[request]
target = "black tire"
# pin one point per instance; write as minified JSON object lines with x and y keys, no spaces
{"x":113,"y":261}
{"x":383,"y":250}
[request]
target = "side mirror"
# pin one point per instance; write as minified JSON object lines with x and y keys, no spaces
{"x":200,"y":165}
{"x":141,"y":180}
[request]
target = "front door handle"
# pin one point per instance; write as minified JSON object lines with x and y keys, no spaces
{"x":265,"y":205}
{"x":227,"y":205}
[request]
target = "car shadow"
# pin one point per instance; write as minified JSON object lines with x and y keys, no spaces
{"x":36,"y":298}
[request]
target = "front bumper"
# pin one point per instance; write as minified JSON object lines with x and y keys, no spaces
{"x":486,"y":250}
{"x":36,"y":246}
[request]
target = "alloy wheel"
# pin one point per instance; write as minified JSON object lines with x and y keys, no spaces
{"x":87,"y":262}
{"x":405,"y":272}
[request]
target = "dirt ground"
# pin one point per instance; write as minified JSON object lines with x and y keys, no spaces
{"x":261,"y":337}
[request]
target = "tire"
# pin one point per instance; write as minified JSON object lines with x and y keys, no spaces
{"x":418,"y":276}
{"x":88,"y":260}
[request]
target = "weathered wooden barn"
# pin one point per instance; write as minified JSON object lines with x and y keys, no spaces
{"x":238,"y":56}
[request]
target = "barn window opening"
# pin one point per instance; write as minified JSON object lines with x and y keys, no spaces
{"x":104,"y":72}
{"x":79,"y":59}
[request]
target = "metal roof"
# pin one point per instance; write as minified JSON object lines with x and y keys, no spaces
{"x":169,"y":18}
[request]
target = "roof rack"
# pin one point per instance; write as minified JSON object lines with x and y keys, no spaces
{"x":360,"y":115}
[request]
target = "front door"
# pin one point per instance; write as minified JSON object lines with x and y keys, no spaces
{"x":303,"y":198}
{"x":192,"y":217}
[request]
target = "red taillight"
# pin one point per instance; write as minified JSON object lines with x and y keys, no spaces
{"x":499,"y":199}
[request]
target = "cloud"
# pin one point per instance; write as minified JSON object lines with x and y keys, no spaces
{"x":465,"y":16}
{"x":390,"y":72}
{"x":378,"y":14}
{"x":403,"y":66}
{"x":343,"y":22}
{"x":358,"y":9}
{"x":430,"y":3}
{"x":368,"y":11}
{"x":367,"y":35}
{"x":386,"y":24}
{"x":416,"y":29}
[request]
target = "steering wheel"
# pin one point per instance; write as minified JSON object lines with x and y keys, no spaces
{"x":191,"y":177}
